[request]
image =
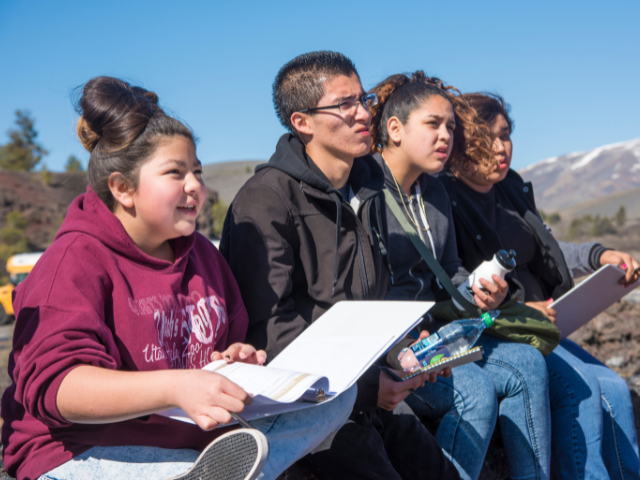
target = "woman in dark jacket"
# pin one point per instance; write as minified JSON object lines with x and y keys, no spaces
{"x":415,"y":126}
{"x":593,"y":432}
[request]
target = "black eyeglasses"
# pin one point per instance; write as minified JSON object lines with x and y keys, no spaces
{"x":350,"y":105}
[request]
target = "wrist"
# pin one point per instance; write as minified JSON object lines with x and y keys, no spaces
{"x":171,"y":386}
{"x":596,"y":256}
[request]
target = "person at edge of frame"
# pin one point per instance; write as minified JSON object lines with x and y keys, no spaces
{"x":306,"y":232}
{"x":592,"y":422}
{"x":120,"y":314}
{"x":418,"y":125}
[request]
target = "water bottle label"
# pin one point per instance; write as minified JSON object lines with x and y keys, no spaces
{"x":434,"y":356}
{"x":422,"y":347}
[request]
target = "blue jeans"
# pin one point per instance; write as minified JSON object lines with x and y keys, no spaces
{"x":594,"y":434}
{"x":290,"y":435}
{"x":517,"y":375}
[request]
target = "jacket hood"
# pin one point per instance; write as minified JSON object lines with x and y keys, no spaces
{"x":389,"y":181}
{"x":366,"y":177}
{"x":89,"y":215}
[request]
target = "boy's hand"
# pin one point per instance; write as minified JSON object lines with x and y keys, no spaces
{"x":391,"y":393}
{"x":208,"y":397}
{"x":624,"y":261}
{"x":241,"y":352}
{"x":496,"y":292}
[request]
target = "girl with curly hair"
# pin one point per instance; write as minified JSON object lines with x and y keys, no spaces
{"x":593,"y":429}
{"x":416,"y":125}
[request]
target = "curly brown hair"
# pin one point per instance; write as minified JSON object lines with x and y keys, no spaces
{"x":400,"y":94}
{"x":488,"y":106}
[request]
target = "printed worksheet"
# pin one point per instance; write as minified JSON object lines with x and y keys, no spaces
{"x":273,"y":385}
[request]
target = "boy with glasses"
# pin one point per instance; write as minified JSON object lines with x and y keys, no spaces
{"x":306,"y":231}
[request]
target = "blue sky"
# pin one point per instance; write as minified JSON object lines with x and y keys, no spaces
{"x":570,"y":70}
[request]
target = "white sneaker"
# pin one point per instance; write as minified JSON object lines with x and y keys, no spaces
{"x":237,"y":455}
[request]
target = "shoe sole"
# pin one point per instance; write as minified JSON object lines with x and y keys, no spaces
{"x":237,"y":455}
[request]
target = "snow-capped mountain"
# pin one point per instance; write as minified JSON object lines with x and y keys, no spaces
{"x":561,"y":182}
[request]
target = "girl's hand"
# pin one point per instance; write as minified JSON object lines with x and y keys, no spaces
{"x":544,"y":308}
{"x":624,"y":261}
{"x":495,"y":294}
{"x":208,"y":397}
{"x":241,"y":352}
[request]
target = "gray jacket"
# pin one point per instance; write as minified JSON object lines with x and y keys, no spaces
{"x":412,"y":278}
{"x":582,"y":259}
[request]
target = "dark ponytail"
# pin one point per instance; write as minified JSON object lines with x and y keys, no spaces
{"x":121,"y":126}
{"x":399,"y":95}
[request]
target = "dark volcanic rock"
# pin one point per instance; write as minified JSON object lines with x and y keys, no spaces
{"x":45,"y":206}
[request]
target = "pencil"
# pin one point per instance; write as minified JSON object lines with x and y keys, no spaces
{"x":241,"y":420}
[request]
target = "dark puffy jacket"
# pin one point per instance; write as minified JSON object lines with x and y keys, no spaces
{"x":296,"y":248}
{"x":478,"y":241}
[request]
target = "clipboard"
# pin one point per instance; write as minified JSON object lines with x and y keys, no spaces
{"x":589,"y":298}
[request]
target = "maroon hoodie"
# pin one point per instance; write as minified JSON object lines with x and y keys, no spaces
{"x":95,"y":299}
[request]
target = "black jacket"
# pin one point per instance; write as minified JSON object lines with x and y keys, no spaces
{"x":479,"y":241}
{"x":296,"y":248}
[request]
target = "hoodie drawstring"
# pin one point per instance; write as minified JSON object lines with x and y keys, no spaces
{"x":338,"y":201}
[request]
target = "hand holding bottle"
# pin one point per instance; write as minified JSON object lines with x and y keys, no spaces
{"x":492,"y":294}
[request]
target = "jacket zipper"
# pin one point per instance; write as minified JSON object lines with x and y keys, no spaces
{"x":365,"y":281}
{"x":364,"y":278}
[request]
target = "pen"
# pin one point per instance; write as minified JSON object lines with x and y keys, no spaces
{"x":241,"y":420}
{"x":391,"y":374}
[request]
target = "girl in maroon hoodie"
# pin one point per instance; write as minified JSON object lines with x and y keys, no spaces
{"x":121,"y":312}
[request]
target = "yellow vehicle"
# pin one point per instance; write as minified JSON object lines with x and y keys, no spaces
{"x":18,"y":267}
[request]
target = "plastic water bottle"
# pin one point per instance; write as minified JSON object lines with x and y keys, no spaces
{"x":452,"y":339}
{"x":501,"y":264}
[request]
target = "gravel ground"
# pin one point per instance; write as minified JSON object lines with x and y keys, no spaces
{"x":613,"y":337}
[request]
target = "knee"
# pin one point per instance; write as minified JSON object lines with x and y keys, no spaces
{"x":529,"y":373}
{"x":534,"y":363}
{"x":480,"y":394}
{"x":339,"y":409}
{"x":532,"y":367}
{"x":615,"y":392}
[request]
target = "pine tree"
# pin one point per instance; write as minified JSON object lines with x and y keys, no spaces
{"x":621,"y":216}
{"x":22,"y":152}
{"x":13,"y":236}
{"x":219,"y":213}
{"x":73,"y":164}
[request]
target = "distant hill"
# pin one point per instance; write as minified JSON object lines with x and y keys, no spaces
{"x":606,"y":206}
{"x":226,"y":178}
{"x":44,"y":206}
{"x":582,"y":181}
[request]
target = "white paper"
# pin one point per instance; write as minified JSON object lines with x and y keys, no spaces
{"x":591,"y":297}
{"x":272,"y":384}
{"x":340,"y":359}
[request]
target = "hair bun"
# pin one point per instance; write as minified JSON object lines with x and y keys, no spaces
{"x":88,"y":137}
{"x":151,"y":96}
{"x":113,"y":112}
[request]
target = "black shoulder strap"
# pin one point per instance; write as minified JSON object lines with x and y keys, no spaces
{"x":428,"y":256}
